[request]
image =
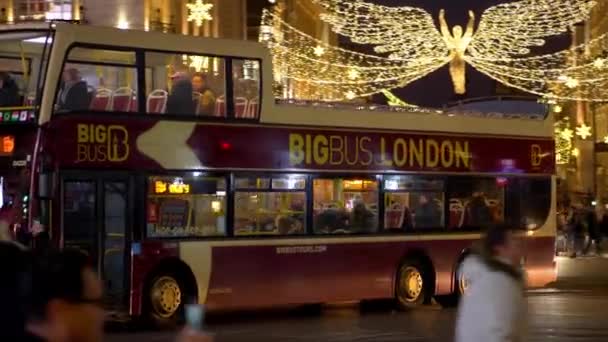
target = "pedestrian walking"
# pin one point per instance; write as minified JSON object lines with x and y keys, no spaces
{"x":577,"y":231}
{"x":55,"y":297}
{"x":15,"y":263}
{"x":593,"y":229}
{"x":493,"y":309}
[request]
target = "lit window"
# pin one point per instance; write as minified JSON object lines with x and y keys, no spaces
{"x":413,"y":203}
{"x":186,"y":206}
{"x":270,"y":206}
{"x":345,"y":206}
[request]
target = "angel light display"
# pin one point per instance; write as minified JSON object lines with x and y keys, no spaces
{"x":410,"y":44}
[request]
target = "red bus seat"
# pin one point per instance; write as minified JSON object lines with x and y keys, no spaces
{"x":157,"y":101}
{"x":220,"y":106}
{"x":240,"y":107}
{"x":102,"y":100}
{"x":121,"y":99}
{"x":252,"y":109}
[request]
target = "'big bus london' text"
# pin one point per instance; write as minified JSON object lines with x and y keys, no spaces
{"x":320,"y":150}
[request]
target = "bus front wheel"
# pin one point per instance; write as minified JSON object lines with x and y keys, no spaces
{"x":413,"y":284}
{"x":165,"y":297}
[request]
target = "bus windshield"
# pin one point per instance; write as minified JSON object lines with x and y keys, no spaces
{"x":22,"y":63}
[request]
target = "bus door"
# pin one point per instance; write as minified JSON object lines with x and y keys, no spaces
{"x":96,"y":218}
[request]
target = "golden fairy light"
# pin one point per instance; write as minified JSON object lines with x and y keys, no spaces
{"x":410,"y":45}
{"x":199,"y":12}
{"x":319,"y":50}
{"x":563,"y":142}
{"x":583,"y":131}
{"x":566,"y":133}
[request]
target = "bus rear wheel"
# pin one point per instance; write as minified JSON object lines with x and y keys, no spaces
{"x":413,"y":284}
{"x":461,"y":285}
{"x":165,"y":297}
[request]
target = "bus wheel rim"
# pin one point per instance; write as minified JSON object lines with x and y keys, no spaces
{"x":412,"y":283}
{"x":166,"y":296}
{"x":463,"y":282}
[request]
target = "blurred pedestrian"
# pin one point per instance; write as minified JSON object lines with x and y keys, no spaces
{"x":604,"y":225}
{"x":15,"y":264}
{"x":493,"y":309}
{"x":593,"y":229}
{"x":6,"y":221}
{"x":576,"y":230}
{"x":66,"y":301}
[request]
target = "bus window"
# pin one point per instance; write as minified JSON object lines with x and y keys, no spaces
{"x":98,"y":80}
{"x":184,"y":84}
{"x":264,"y":206}
{"x":345,"y":206}
{"x":528,"y":202}
{"x":13,"y":81}
{"x":476,"y":203}
{"x":246,"y":82}
{"x":413,"y":203}
{"x":189,"y":206}
{"x":21,"y":60}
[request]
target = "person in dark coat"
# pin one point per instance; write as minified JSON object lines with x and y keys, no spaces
{"x":9,"y":91}
{"x":593,"y":230}
{"x":74,"y":93}
{"x":426,"y":214}
{"x":180,"y":99}
{"x":478,"y":212}
{"x":362,"y":219}
{"x":604,"y":225}
{"x":15,"y":263}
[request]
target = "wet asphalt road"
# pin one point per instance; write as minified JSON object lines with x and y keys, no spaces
{"x":554,"y":316}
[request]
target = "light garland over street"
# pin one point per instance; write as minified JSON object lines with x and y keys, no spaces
{"x":409,"y":46}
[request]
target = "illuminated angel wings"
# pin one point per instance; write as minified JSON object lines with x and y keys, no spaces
{"x":409,"y":46}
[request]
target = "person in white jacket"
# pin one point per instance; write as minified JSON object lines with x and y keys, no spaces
{"x":493,"y":308}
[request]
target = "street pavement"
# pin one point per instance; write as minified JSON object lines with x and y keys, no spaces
{"x":555,"y":315}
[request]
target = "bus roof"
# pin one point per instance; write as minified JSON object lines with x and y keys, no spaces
{"x":67,"y":35}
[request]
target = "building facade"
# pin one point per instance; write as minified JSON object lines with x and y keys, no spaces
{"x":583,"y":161}
{"x":233,"y":19}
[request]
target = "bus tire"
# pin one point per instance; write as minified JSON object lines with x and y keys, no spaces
{"x":413,"y":287}
{"x":164,"y":299}
{"x":460,"y":287}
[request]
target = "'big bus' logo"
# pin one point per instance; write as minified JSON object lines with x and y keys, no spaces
{"x":537,"y":155}
{"x":102,"y":143}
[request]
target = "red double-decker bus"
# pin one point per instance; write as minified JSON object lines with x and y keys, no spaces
{"x":167,"y":159}
{"x":23,"y":56}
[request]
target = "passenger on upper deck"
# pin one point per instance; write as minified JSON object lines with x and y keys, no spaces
{"x":180,"y":98}
{"x":9,"y":92}
{"x":206,"y":102}
{"x":74,"y":94}
{"x":427,"y":214}
{"x":478,"y":211}
{"x":362,"y":219}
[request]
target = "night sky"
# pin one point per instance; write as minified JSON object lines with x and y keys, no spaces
{"x":436,"y":89}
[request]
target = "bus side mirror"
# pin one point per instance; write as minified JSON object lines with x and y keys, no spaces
{"x":45,"y":181}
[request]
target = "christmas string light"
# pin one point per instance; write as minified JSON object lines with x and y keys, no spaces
{"x":199,"y":12}
{"x":322,"y":71}
{"x":412,"y":47}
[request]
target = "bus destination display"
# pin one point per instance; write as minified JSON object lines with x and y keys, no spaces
{"x":16,"y":116}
